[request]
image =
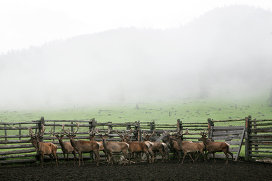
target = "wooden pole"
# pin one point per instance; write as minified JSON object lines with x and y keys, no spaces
{"x":109,"y":127}
{"x":255,"y":133}
{"x":179,"y":129}
{"x":40,"y":124}
{"x":152,"y":126}
{"x":5,"y":127}
{"x":247,"y":133}
{"x":20,"y":131}
{"x":210,"y":128}
{"x":92,"y":124}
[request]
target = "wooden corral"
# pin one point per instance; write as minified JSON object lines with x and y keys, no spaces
{"x":258,"y":142}
{"x":16,"y":148}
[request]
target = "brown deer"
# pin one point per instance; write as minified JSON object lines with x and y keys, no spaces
{"x":41,"y":147}
{"x":156,"y":146}
{"x":111,"y":147}
{"x":138,"y":147}
{"x":212,"y":147}
{"x":82,"y":146}
{"x":177,"y":145}
{"x":92,"y":138}
{"x":66,"y":146}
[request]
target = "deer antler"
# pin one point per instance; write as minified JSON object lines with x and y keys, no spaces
{"x":144,"y":135}
{"x":51,"y":132}
{"x":42,"y":131}
{"x":64,"y":131}
{"x":186,"y":132}
{"x":30,"y":131}
{"x":77,"y":128}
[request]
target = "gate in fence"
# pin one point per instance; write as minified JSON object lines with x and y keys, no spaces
{"x":233,"y":135}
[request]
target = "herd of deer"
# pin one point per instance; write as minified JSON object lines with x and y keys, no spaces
{"x":126,"y":147}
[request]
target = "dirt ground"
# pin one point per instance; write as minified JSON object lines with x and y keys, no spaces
{"x":170,"y":170}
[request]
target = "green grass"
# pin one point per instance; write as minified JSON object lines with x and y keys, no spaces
{"x":190,"y":110}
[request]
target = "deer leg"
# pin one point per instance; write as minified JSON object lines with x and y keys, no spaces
{"x":41,"y":157}
{"x":57,"y":160}
{"x":191,"y":157}
{"x":111,"y":158}
{"x":64,"y":157}
{"x":230,"y":155}
{"x":74,"y":153}
{"x":82,"y":158}
{"x":227,"y":157}
{"x":96,"y":152}
{"x":52,"y":158}
{"x":214,"y":157}
{"x":184,"y":157}
{"x":197,"y":156}
{"x":79,"y":157}
{"x":162,"y":154}
{"x":179,"y":156}
{"x":125,"y":155}
{"x":129,"y":157}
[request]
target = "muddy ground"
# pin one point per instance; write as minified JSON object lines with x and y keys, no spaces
{"x":141,"y":171}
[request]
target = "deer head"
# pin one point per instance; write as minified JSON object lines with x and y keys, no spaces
{"x":70,"y":134}
{"x":36,"y":138}
{"x":203,"y":136}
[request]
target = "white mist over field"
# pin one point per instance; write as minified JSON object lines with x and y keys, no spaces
{"x":226,"y":52}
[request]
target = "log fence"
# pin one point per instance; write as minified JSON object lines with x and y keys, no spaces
{"x":258,"y":139}
{"x":16,"y":148}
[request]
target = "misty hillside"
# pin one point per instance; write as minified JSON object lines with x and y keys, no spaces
{"x":227,"y":51}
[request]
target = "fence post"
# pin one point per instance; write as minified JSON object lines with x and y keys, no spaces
{"x":92,"y":124}
{"x":40,"y":124}
{"x":6,"y":134}
{"x":138,"y":131}
{"x":109,"y":127}
{"x":210,"y":128}
{"x":20,"y":132}
{"x":152,"y":126}
{"x":179,"y":126}
{"x":255,"y":133}
{"x":128,"y":127}
{"x":247,"y":133}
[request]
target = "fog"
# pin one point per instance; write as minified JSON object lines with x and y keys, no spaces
{"x":226,"y":53}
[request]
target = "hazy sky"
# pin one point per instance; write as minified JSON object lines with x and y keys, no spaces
{"x":35,"y":22}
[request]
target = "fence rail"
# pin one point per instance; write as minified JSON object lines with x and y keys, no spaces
{"x":258,"y":138}
{"x":16,"y":148}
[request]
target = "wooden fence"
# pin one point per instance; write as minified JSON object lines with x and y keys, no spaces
{"x":15,"y":146}
{"x":258,"y":142}
{"x":14,"y":137}
{"x":229,"y":133}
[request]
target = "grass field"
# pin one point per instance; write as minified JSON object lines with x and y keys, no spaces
{"x":188,"y":110}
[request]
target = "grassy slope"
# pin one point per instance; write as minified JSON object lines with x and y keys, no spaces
{"x":167,"y":112}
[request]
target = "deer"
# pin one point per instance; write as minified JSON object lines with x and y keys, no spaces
{"x":92,"y":138}
{"x":156,"y":146}
{"x":66,"y":146}
{"x":111,"y":147}
{"x":213,"y":147}
{"x":172,"y":142}
{"x":176,"y":143}
{"x":138,"y":147}
{"x":82,"y":146}
{"x":41,"y":147}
